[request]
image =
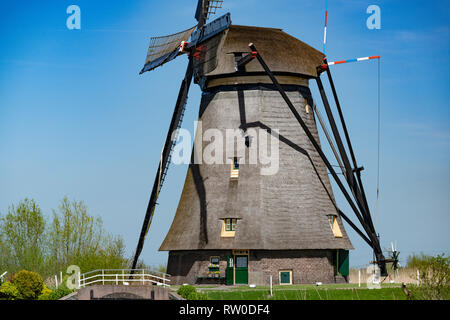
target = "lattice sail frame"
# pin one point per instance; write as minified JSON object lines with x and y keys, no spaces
{"x":164,"y":49}
{"x":160,"y":46}
{"x":212,"y":7}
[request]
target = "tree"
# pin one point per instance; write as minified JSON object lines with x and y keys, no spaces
{"x":73,"y":232}
{"x":22,"y":237}
{"x":434,"y":279}
{"x":29,"y":284}
{"x":78,"y":238}
{"x":5,"y":253}
{"x":73,"y":237}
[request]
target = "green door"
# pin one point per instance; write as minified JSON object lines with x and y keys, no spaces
{"x":241,"y":269}
{"x":344,"y":263}
{"x":230,"y":270}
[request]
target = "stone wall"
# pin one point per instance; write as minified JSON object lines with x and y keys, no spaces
{"x":118,"y":292}
{"x":308,"y":266}
{"x":186,"y":266}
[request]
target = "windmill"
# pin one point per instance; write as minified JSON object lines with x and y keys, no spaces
{"x":393,"y":257}
{"x":246,"y":221}
{"x":162,"y":50}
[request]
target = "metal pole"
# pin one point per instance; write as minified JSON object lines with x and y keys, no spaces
{"x":350,"y":222}
{"x":327,"y":135}
{"x":348,"y":169}
{"x":365,"y":218}
{"x":271,"y":293}
{"x":359,"y":277}
{"x":418,"y":278}
{"x":349,"y":144}
{"x":165,"y":161}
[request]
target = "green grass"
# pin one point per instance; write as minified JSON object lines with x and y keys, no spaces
{"x":306,"y":292}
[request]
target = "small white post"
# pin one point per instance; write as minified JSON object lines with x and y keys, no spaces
{"x":117,"y":279}
{"x":359,"y":278}
{"x":271,"y":286}
{"x":56,"y":281}
{"x":103,"y":277}
{"x":123,"y":276}
{"x":79,"y":280}
{"x":143,"y":276}
{"x":418,"y":278}
{"x":60,"y":276}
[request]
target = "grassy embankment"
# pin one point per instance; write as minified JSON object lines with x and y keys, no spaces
{"x":304,"y":292}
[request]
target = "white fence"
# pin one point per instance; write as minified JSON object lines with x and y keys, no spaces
{"x":124,"y":277}
{"x":2,"y":276}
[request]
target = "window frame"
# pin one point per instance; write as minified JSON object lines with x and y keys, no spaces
{"x":334,"y":225}
{"x":230,"y":224}
{"x":235,"y":169}
{"x":214,"y":257}
{"x":236,"y":165}
{"x":229,"y":227}
{"x":291,"y":274}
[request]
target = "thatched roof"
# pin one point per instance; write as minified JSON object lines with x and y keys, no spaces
{"x":288,"y":210}
{"x":282,"y":52}
{"x":285,"y":211}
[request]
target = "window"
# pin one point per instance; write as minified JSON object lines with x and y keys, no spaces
{"x":228,"y":227}
{"x":335,"y":226}
{"x":235,"y":169}
{"x":230,"y":224}
{"x":236,"y":164}
{"x":215,"y":260}
{"x":241,"y":262}
{"x":285,"y":277}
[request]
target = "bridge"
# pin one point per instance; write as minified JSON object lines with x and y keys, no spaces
{"x":122,"y":284}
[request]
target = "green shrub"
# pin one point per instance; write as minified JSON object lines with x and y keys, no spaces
{"x":59,"y":293}
{"x":185,"y":291}
{"x":45,"y":293}
{"x":197,"y":296}
{"x":434,"y":280}
{"x":418,"y":261}
{"x":8,"y":291}
{"x":29,"y":284}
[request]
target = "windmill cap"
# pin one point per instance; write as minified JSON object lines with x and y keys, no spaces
{"x":282,"y":52}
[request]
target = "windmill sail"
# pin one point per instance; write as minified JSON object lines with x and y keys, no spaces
{"x":164,"y":49}
{"x":206,"y":8}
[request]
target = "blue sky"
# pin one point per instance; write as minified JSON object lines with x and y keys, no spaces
{"x":76,"y":119}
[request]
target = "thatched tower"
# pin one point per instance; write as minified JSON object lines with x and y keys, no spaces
{"x":234,"y":223}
